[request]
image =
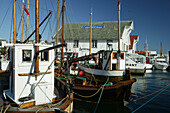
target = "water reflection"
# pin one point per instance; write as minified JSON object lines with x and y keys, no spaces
{"x":84,"y":107}
{"x":150,"y":83}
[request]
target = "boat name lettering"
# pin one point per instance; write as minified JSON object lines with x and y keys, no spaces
{"x":131,"y":64}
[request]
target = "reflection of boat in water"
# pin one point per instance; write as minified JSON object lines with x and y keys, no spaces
{"x":136,"y":64}
{"x":160,"y":63}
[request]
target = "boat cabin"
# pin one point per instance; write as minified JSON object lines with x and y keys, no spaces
{"x":107,"y":60}
{"x":25,"y":84}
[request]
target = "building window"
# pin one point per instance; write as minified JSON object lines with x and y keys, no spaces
{"x":44,"y":56}
{"x":26,"y":55}
{"x":94,"y":43}
{"x":76,"y":44}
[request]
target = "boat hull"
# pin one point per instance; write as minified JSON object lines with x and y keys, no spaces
{"x":115,"y":93}
{"x":161,"y":66}
{"x":138,"y":71}
{"x":99,"y":72}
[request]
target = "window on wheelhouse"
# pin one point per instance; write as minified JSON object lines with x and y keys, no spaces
{"x":26,"y":55}
{"x":76,"y":44}
{"x":45,"y":56}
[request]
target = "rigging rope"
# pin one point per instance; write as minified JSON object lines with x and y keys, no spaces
{"x":6,"y":14}
{"x":40,"y":79}
{"x":46,"y":24}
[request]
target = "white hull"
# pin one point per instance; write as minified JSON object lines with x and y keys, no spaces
{"x":106,"y":73}
{"x":149,"y":66}
{"x":137,"y":69}
{"x":161,"y":66}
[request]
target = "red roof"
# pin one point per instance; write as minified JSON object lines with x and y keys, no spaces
{"x":132,"y":38}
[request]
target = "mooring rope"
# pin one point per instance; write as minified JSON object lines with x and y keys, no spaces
{"x":101,"y":95}
{"x":150,"y":94}
{"x":89,"y":95}
{"x":160,"y":91}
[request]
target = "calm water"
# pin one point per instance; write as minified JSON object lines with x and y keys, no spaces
{"x":157,"y":103}
{"x":151,"y":82}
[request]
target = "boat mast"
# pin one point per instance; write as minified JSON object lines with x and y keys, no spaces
{"x":27,"y":20}
{"x":145,"y":47}
{"x":119,"y":25}
{"x":57,"y":36}
{"x":90,"y":31}
{"x":14,"y":17}
{"x":22,"y":21}
{"x":62,"y":40}
{"x":118,"y":53}
{"x":58,"y":7}
{"x":161,"y":49}
{"x":14,"y":41}
{"x":37,"y":37}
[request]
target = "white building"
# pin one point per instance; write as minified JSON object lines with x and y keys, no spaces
{"x":104,"y":36}
{"x":133,"y":41}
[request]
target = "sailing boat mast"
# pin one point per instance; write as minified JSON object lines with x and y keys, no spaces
{"x":118,"y":53}
{"x":161,"y":49}
{"x":145,"y":47}
{"x":37,"y":37}
{"x":27,"y":20}
{"x":119,"y":25}
{"x":14,"y":17}
{"x":57,"y":37}
{"x":58,"y":7}
{"x":22,"y":21}
{"x":90,"y":31}
{"x":62,"y":40}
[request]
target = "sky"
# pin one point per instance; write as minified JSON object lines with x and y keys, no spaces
{"x":151,"y":18}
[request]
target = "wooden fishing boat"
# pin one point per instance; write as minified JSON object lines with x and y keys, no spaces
{"x":29,"y":91}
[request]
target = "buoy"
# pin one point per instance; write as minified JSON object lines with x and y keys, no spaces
{"x":81,"y":73}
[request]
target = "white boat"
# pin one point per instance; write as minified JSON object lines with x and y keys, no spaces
{"x":136,"y":63}
{"x":160,"y":63}
{"x":30,"y":90}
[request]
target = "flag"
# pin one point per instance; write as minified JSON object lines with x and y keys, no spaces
{"x":26,"y":10}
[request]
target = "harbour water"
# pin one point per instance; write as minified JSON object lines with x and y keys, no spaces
{"x":150,"y":94}
{"x":147,"y":89}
